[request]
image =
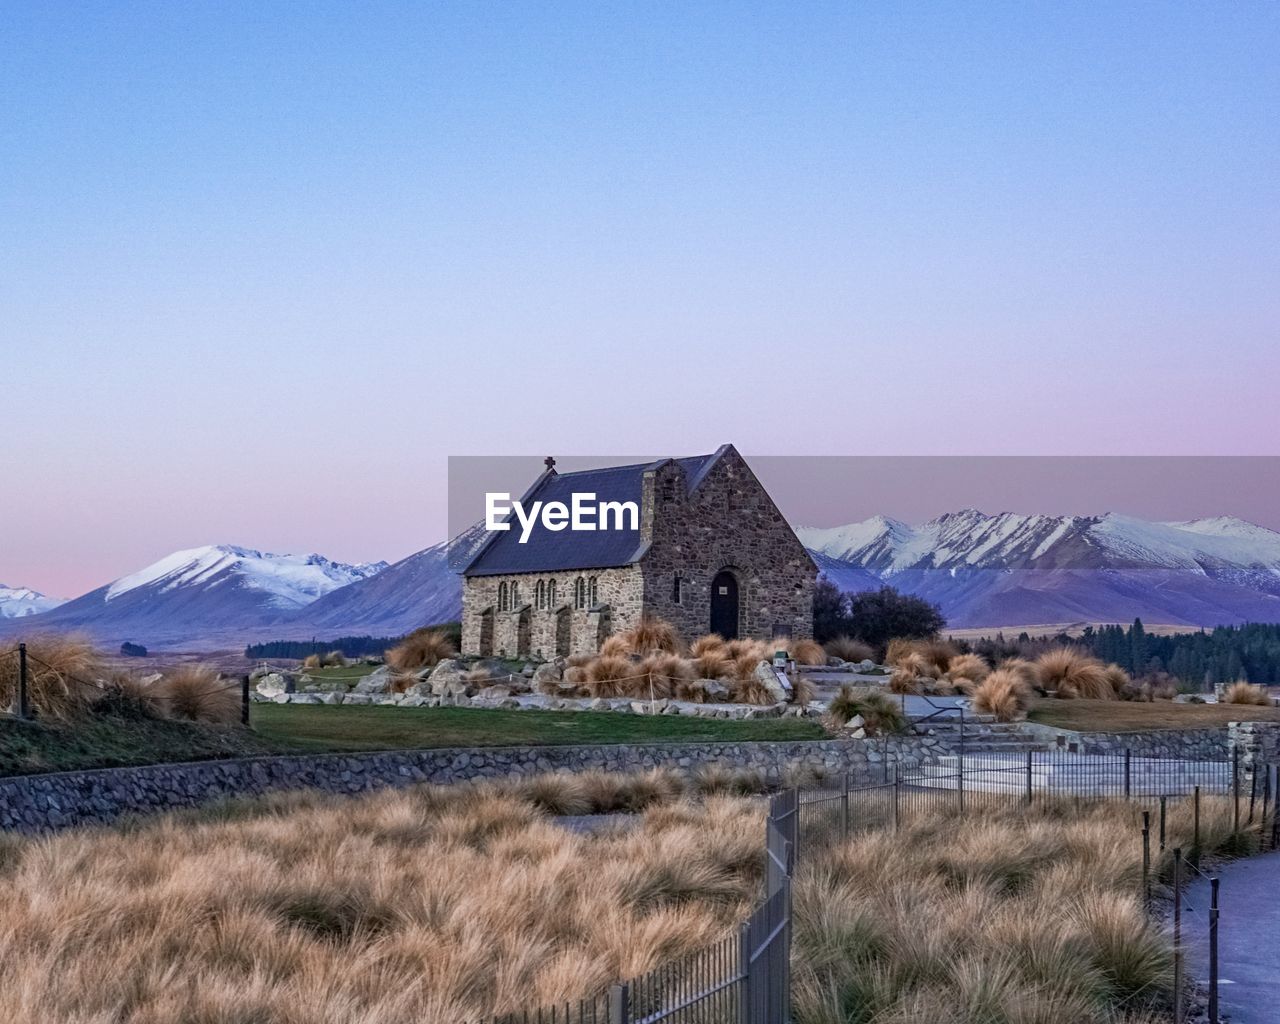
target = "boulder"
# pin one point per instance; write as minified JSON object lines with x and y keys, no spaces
{"x":717,"y":692}
{"x":272,"y":685}
{"x":768,"y":678}
{"x":359,"y":698}
{"x":495,"y":692}
{"x":647,"y":707}
{"x":377,"y":681}
{"x":599,"y":704}
{"x":856,"y":722}
{"x":304,"y":698}
{"x":548,"y":673}
{"x":528,"y":670}
{"x":865,"y":665}
{"x":412,"y":700}
{"x":448,"y":673}
{"x":332,"y":697}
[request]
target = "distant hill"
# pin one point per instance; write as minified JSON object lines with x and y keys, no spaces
{"x":984,"y":570}
{"x":1009,"y":569}
{"x":19,"y":602}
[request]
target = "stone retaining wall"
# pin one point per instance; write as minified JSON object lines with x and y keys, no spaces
{"x":1182,"y":745}
{"x":38,"y":802}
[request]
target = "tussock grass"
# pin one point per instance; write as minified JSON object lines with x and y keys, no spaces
{"x":969,"y":668}
{"x":61,"y":673}
{"x":652,"y":635}
{"x":807,"y":652}
{"x":1003,"y":693}
{"x":1070,"y":673}
{"x":881,"y":714}
{"x":847,"y":649}
{"x":708,"y":643}
{"x":335,"y":659}
{"x":425,"y":904}
{"x":197,"y":693}
{"x":423,"y":648}
{"x":609,"y":675}
{"x":1241,"y":692}
{"x":945,"y":921}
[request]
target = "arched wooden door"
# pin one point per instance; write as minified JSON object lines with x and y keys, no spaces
{"x":486,"y":633}
{"x":724,"y":605}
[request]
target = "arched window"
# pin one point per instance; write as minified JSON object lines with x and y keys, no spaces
{"x":579,"y":593}
{"x":592,"y":595}
{"x":676,"y":590}
{"x":551,"y":593}
{"x":515,"y":596}
{"x":502,"y":597}
{"x":540,"y":594}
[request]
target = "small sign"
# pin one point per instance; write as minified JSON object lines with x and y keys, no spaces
{"x":779,"y":659}
{"x":724,"y":590}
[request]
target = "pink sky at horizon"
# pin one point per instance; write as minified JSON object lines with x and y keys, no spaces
{"x":266,"y":268}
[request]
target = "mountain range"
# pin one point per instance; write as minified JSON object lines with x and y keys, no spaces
{"x":1004,"y":570}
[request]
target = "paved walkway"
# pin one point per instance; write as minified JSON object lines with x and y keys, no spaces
{"x":1248,"y":938}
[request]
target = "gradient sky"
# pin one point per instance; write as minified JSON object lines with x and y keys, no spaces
{"x":264,"y":266}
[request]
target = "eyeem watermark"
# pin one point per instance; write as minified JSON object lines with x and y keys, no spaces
{"x":582,"y":513}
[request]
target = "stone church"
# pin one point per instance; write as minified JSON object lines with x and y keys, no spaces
{"x":710,"y":553}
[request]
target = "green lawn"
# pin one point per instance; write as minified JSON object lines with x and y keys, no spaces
{"x":345,"y":673}
{"x":108,"y":741}
{"x":319,"y":727}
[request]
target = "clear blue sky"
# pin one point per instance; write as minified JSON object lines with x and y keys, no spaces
{"x":264,"y":266}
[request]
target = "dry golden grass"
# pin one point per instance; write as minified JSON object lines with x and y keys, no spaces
{"x":924,"y":657}
{"x":808,"y":652}
{"x":610,"y":675}
{"x":848,"y":649}
{"x":944,"y":922}
{"x":335,"y":659}
{"x":1241,"y":692}
{"x":615,"y":646}
{"x":399,"y":907}
{"x":62,"y":673}
{"x":1069,"y":674}
{"x":881,"y":714}
{"x":904,"y":680}
{"x":749,"y":691}
{"x":652,"y":635}
{"x":712,"y":663}
{"x":423,"y":648}
{"x":706,"y":644}
{"x":312,"y":661}
{"x":971,"y":668}
{"x":1003,"y":694}
{"x":198,"y":694}
{"x":1025,"y":669}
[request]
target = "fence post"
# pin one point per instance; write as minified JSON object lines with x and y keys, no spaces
{"x":1235,"y":788}
{"x":244,"y":700}
{"x":1213,"y":950}
{"x":1164,"y":802}
{"x":1195,"y":849}
{"x":1146,"y":859}
{"x":24,"y":703}
{"x":1029,"y":756}
{"x":620,"y":1003}
{"x":1127,"y":776}
{"x":896,"y":791}
{"x":845,"y":805}
{"x":745,"y":1010}
{"x":1177,"y":935}
{"x":960,"y":775}
{"x":1253,"y":789}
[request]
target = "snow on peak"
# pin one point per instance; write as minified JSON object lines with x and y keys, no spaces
{"x":291,"y":581}
{"x":19,"y":602}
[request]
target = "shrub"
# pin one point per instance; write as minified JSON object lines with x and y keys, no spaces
{"x":879,"y":615}
{"x":713,"y":663}
{"x":62,"y":674}
{"x":652,"y":635}
{"x":1003,"y":694}
{"x":615,"y":646}
{"x":1070,"y":673}
{"x":848,"y":649}
{"x":311,"y":662}
{"x":423,"y":648}
{"x":972,"y":668}
{"x":749,"y":691}
{"x":335,"y":659}
{"x":707,"y":644}
{"x":198,"y":694}
{"x":609,"y":676}
{"x":808,"y":652}
{"x":659,"y":673}
{"x":1241,"y":692}
{"x":1025,"y":670}
{"x":881,"y":715}
{"x":805,"y":691}
{"x":127,"y":696}
{"x":904,"y":680}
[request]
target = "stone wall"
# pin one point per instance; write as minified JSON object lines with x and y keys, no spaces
{"x":1258,"y":742}
{"x":727,"y":522}
{"x":38,"y":802}
{"x":1182,"y":745}
{"x":619,"y":590}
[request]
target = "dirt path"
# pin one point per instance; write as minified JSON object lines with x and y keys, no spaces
{"x":1248,"y":938}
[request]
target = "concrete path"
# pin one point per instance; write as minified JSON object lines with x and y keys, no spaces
{"x":1248,"y":938}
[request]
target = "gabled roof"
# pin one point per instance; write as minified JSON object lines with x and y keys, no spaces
{"x":565,"y":550}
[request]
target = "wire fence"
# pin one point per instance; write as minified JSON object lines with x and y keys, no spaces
{"x":25,"y":705}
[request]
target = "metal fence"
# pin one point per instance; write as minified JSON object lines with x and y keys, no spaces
{"x":745,"y":979}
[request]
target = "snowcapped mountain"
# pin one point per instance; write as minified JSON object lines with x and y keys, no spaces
{"x":194,"y":593}
{"x":1011,"y":569}
{"x":19,"y":602}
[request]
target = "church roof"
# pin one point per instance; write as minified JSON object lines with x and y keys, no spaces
{"x":565,"y":550}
